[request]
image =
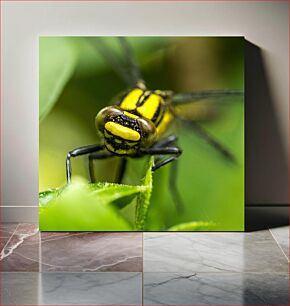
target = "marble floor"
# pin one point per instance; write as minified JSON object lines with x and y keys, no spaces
{"x":143,"y":268}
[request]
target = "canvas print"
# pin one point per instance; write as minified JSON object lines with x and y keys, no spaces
{"x":141,"y":133}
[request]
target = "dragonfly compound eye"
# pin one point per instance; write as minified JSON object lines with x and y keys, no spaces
{"x":124,"y":133}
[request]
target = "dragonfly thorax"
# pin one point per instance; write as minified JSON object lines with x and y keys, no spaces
{"x":141,"y":117}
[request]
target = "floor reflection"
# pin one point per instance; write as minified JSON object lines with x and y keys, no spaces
{"x":20,"y":288}
{"x":178,"y":268}
{"x":215,"y":289}
{"x":101,"y":288}
{"x":91,"y":252}
{"x":213,"y":252}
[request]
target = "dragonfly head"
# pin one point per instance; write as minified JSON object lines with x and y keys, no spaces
{"x":124,"y":133}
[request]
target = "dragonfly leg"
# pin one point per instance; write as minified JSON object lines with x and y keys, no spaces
{"x":167,"y":147}
{"x":168,"y":141}
{"x":173,"y":153}
{"x":122,"y":170}
{"x":92,"y":157}
{"x":176,"y":197}
{"x":103,"y":155}
{"x":78,"y":152}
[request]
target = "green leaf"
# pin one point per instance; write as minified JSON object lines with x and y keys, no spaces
{"x":57,"y":60}
{"x":93,"y":207}
{"x":48,"y":195}
{"x":143,"y":199}
{"x":109,"y":193}
{"x":89,"y":207}
{"x":84,"y":207}
{"x":192,"y":226}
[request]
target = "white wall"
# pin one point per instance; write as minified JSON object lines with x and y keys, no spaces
{"x":263,"y":23}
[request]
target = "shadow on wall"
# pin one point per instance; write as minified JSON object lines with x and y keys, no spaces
{"x":259,"y":218}
{"x":266,"y":175}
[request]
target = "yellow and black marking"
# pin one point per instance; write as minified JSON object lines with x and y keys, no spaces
{"x":130,"y":100}
{"x":150,"y":105}
{"x":136,"y":123}
{"x":126,"y":133}
{"x":122,"y":134}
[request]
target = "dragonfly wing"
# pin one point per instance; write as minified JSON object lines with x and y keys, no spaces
{"x":207,"y":137}
{"x":130,"y":72}
{"x":203,"y":105}
{"x":196,"y":96}
{"x":134,"y":70}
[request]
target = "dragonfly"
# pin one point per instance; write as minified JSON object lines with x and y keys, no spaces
{"x":137,"y":124}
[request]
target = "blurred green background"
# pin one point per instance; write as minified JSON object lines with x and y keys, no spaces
{"x":76,"y":82}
